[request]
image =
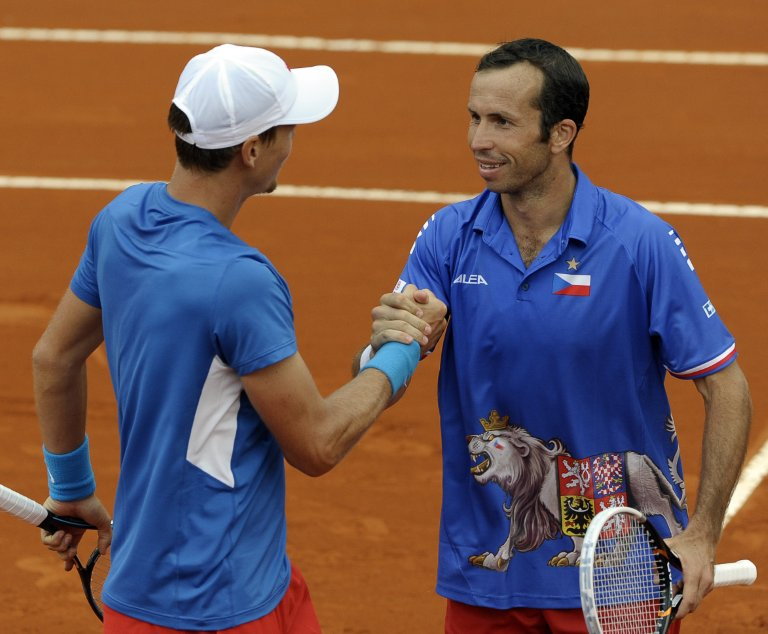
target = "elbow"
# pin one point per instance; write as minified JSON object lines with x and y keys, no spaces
{"x":315,"y":471}
{"x":316,"y":463}
{"x":47,"y":359}
{"x":50,"y":356}
{"x":44,"y":358}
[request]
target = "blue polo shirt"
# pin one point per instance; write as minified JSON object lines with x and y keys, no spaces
{"x":551,"y":388}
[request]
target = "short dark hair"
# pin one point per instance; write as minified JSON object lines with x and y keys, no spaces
{"x":565,"y":91}
{"x":193,"y":157}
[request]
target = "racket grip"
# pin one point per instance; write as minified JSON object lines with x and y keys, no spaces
{"x":738,"y":573}
{"x":22,"y":507}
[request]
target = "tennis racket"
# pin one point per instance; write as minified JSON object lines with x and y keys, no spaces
{"x":625,"y":575}
{"x":93,"y":573}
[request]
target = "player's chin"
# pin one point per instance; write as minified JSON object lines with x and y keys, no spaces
{"x":269,"y":189}
{"x":495,"y":183}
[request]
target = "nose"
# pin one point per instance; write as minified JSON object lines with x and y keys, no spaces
{"x":479,"y":137}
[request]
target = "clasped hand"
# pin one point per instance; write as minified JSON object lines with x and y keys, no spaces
{"x":413,"y":315}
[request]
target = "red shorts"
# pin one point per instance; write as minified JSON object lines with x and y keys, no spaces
{"x":295,"y":614}
{"x":461,"y":618}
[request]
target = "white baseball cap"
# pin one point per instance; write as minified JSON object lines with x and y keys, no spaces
{"x":234,"y":92}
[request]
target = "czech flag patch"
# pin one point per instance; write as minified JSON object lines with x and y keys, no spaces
{"x":564,"y":284}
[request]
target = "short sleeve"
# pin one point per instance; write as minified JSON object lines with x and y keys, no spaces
{"x":694,"y":340}
{"x":84,"y":282}
{"x":253,"y":316}
{"x":426,"y":266}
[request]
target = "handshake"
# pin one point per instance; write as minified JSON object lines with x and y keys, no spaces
{"x":406,"y":328}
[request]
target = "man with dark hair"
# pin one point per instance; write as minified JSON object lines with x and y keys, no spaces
{"x":568,"y":305}
{"x":212,"y":393}
{"x":564,"y":90}
{"x":191,"y":156}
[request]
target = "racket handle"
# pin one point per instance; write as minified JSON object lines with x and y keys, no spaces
{"x":30,"y":511}
{"x":22,"y":507}
{"x":738,"y":573}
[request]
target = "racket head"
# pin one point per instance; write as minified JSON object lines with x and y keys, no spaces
{"x":92,"y":577}
{"x":624,"y":575}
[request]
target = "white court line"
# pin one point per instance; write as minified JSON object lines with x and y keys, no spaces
{"x":407,"y":47}
{"x":369,"y":194}
{"x":754,"y":473}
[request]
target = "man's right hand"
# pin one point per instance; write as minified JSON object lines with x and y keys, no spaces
{"x":64,"y":542}
{"x":415,"y":314}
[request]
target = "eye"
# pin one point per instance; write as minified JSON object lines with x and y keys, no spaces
{"x":474,"y":117}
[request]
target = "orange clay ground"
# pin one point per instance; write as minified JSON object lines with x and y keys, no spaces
{"x":365,"y":535}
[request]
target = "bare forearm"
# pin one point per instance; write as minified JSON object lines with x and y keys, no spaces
{"x":315,"y":432}
{"x":59,"y":373}
{"x":728,"y":418}
{"x":350,"y":412}
{"x":60,"y":400}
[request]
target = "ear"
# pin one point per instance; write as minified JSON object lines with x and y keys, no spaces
{"x":562,"y":135}
{"x":523,"y":448}
{"x":251,"y":151}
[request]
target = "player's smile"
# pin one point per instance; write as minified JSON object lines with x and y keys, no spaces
{"x":489,"y":169}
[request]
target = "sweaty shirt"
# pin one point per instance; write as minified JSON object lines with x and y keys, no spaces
{"x":551,"y":388}
{"x":187,"y":308}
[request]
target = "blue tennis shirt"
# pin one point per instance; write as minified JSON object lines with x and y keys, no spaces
{"x":187,"y":308}
{"x":551,"y":388}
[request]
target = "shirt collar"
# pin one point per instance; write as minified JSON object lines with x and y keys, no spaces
{"x":581,"y":216}
{"x":578,"y":222}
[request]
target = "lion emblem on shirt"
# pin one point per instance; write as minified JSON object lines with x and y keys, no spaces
{"x":552,"y":494}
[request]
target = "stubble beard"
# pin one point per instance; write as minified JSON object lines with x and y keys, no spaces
{"x":534,"y":181}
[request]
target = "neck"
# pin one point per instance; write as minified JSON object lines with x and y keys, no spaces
{"x":219,"y":193}
{"x":543,"y":205}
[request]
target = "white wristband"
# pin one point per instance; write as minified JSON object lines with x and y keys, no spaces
{"x":365,"y":357}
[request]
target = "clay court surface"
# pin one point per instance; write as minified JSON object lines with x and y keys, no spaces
{"x":366,"y":534}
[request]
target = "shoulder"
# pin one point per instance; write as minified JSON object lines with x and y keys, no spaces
{"x":251,"y":272}
{"x":649,"y":242}
{"x":468,"y":211}
{"x":131,"y":196}
{"x":451,"y":222}
{"x":633,"y":225}
{"x":250,"y":261}
{"x":126,"y":203}
{"x":625,"y":216}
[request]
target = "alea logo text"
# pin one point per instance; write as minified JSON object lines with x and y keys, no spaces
{"x":470,"y":279}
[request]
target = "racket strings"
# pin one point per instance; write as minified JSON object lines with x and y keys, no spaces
{"x":93,"y":576}
{"x":99,"y":572}
{"x":627,"y":578}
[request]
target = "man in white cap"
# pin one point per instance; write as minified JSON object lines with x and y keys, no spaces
{"x":212,"y":393}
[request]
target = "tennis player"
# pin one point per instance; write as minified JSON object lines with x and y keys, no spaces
{"x":568,"y":307}
{"x":212,"y":393}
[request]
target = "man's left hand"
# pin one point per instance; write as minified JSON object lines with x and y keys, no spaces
{"x":697,"y":555}
{"x":413,"y":314}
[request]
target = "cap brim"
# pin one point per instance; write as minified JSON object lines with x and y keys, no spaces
{"x":317,"y":92}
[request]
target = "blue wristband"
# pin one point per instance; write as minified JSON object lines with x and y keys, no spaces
{"x":397,"y":361}
{"x":70,"y":476}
